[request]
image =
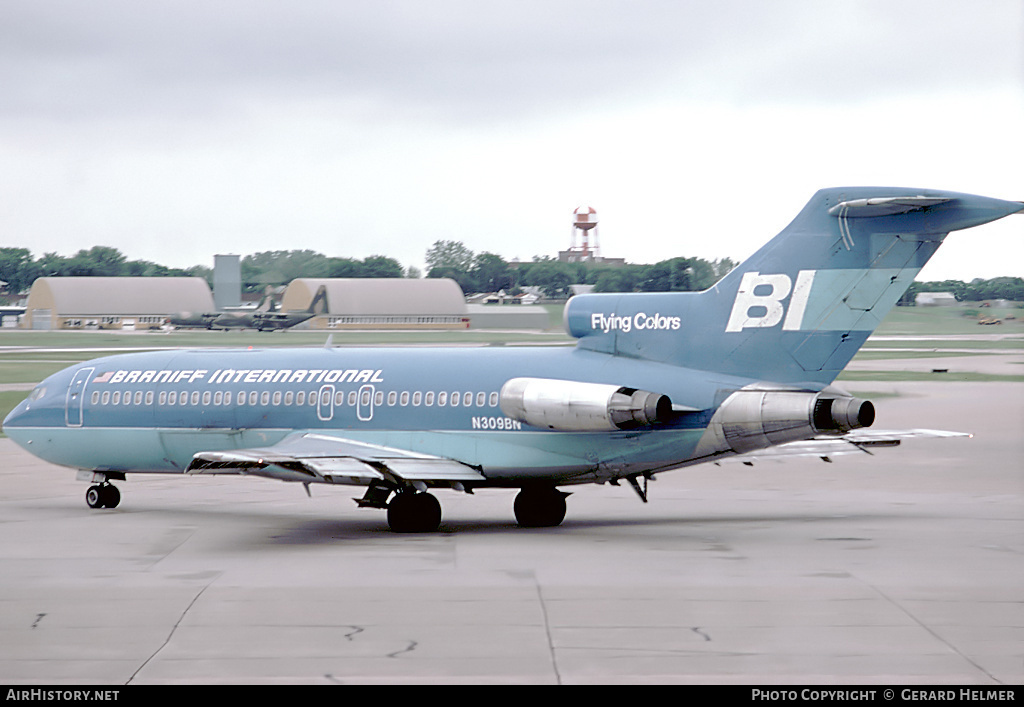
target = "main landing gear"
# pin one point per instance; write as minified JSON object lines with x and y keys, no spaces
{"x":419,"y":512}
{"x":540,"y":507}
{"x":410,"y":512}
{"x":103,"y":496}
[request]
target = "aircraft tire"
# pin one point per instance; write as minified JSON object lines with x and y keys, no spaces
{"x":111,"y":496}
{"x":94,"y":497}
{"x":540,"y":508}
{"x":414,"y":513}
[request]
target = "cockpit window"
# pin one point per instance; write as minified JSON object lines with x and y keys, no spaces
{"x":38,"y":392}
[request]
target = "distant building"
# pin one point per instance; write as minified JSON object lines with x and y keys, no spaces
{"x":572,"y":256}
{"x":113,"y":302}
{"x":382,"y":303}
{"x":227,"y":281}
{"x":935,"y":299}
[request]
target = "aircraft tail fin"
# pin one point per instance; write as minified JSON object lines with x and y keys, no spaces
{"x":799,"y":308}
{"x":318,"y":305}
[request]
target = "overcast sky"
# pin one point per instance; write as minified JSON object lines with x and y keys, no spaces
{"x":176,"y":130}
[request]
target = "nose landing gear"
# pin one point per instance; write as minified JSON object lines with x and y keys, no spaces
{"x":103,"y":496}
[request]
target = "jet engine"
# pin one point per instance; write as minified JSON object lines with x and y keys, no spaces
{"x":756,"y":419}
{"x":573,"y":406}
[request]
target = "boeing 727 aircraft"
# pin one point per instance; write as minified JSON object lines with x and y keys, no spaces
{"x":656,"y":381}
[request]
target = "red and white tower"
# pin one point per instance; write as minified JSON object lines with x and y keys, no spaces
{"x":584,"y":220}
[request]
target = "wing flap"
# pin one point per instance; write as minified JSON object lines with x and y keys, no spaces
{"x":320,"y":458}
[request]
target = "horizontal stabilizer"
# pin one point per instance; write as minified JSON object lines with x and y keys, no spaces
{"x":857,"y":441}
{"x":884,"y":206}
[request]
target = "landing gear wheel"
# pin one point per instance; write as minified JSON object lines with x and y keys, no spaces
{"x":111,"y":496}
{"x":103,"y":496}
{"x":94,"y":497}
{"x":540,"y":507}
{"x":414,"y":513}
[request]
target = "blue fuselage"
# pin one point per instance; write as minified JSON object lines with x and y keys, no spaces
{"x":153,"y":411}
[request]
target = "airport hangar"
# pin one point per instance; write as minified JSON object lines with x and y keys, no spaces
{"x":395,"y":303}
{"x":62,"y":303}
{"x":113,"y":302}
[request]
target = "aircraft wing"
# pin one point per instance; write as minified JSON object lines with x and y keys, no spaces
{"x":310,"y":457}
{"x":856,"y":442}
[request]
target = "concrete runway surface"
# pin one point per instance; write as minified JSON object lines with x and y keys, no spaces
{"x":906,"y":567}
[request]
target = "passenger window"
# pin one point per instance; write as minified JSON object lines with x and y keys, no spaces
{"x":163,"y":397}
{"x":392,"y":398}
{"x":442,"y":398}
{"x":467,"y":399}
{"x":455,"y":399}
{"x":218,"y":397}
{"x":405,"y":398}
{"x":106,"y":397}
{"x":339,"y":398}
{"x":289,"y":397}
{"x":172,"y":397}
{"x":206,"y":397}
{"x":117,"y":397}
{"x":127,"y":399}
{"x":352,"y":398}
{"x":149,"y":397}
{"x":494,"y":400}
{"x":227,"y":397}
{"x":277,"y":397}
{"x":195,"y":397}
{"x":300,"y":398}
{"x":481,"y":398}
{"x":138,"y":397}
{"x":95,"y":397}
{"x":378,"y":399}
{"x":416,"y":398}
{"x":430,"y":399}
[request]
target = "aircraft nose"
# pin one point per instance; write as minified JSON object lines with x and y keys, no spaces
{"x":16,"y":414}
{"x":30,"y":412}
{"x":13,"y":423}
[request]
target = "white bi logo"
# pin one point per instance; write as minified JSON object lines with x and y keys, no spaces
{"x":764,"y":295}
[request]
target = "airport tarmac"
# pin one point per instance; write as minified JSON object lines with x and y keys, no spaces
{"x":904,"y":567}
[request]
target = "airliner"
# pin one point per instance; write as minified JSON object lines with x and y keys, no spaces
{"x":655,"y":382}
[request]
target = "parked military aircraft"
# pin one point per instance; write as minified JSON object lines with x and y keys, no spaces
{"x":266,"y":316}
{"x":657,"y":381}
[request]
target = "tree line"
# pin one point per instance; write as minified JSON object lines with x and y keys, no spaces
{"x":475,"y":272}
{"x":19,"y":269}
{"x":488,"y":272}
{"x":977,"y":290}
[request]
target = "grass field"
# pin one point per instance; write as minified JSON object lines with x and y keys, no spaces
{"x":27,"y":357}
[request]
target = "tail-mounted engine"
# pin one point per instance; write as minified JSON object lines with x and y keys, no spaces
{"x":572,"y":406}
{"x":757,"y":419}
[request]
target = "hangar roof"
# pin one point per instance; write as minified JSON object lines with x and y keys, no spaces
{"x":394,"y":296}
{"x":120,"y":295}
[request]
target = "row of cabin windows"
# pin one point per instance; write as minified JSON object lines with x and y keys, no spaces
{"x":225,"y":397}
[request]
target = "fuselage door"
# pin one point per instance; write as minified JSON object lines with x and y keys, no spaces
{"x":364,"y":407}
{"x":76,"y":397}
{"x":325,"y":403}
